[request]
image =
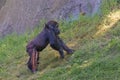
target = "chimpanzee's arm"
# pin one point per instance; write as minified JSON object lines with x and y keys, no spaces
{"x":55,"y":44}
{"x":51,"y":37}
{"x":64,"y":46}
{"x":53,"y":40}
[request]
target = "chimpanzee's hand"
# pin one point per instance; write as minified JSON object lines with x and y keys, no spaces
{"x":70,"y":51}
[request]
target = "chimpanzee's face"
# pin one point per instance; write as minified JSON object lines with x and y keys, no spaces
{"x":53,"y":26}
{"x":55,"y":29}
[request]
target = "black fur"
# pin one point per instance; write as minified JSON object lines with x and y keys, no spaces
{"x":49,"y":35}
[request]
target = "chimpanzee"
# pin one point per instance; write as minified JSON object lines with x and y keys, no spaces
{"x":49,"y":35}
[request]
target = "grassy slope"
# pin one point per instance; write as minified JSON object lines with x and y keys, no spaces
{"x":96,"y":41}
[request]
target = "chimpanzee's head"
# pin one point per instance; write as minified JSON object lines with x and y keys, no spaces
{"x":53,"y":25}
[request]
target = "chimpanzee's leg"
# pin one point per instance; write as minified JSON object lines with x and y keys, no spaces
{"x":64,"y":46}
{"x":32,"y":62}
{"x":29,"y":64}
{"x":38,"y":58}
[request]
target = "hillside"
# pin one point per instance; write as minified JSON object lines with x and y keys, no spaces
{"x":96,"y":41}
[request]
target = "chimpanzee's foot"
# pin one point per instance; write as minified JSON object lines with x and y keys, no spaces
{"x":34,"y":71}
{"x":30,"y":68}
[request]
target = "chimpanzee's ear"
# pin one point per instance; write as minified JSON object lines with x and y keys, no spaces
{"x":57,"y":25}
{"x":46,"y":26}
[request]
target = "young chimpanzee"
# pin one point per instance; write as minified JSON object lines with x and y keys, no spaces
{"x":49,"y":35}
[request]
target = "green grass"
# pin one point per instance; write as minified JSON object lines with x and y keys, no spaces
{"x":96,"y":56}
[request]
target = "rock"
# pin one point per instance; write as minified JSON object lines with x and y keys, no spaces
{"x":22,"y":15}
